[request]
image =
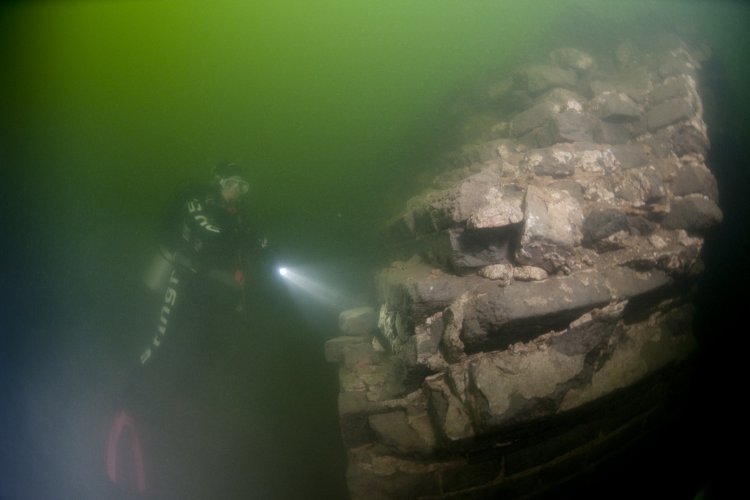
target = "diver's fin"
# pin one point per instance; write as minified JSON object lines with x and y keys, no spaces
{"x":123,"y":422}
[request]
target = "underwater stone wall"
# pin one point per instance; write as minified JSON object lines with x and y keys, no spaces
{"x":540,"y":317}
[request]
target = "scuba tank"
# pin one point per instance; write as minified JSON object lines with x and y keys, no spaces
{"x":158,"y":272}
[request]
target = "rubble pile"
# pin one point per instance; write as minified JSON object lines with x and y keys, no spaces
{"x":541,"y":310}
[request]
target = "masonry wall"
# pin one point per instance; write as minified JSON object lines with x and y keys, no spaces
{"x":537,"y":316}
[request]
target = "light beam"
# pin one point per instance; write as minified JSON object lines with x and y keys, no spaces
{"x":312,"y":288}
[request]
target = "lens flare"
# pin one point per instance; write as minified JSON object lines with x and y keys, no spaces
{"x":283,"y":271}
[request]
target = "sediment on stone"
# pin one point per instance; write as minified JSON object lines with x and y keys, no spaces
{"x":540,"y":311}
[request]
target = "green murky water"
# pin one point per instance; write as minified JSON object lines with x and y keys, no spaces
{"x":336,"y":106}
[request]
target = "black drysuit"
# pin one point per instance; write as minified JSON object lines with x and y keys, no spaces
{"x":162,"y":403}
{"x":204,"y":236}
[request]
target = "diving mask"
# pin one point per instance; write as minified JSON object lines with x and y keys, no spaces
{"x":234,"y":184}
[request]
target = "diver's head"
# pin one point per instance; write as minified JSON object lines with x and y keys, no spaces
{"x":230,"y":181}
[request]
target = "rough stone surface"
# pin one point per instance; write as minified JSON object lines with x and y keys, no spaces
{"x":421,"y":353}
{"x":539,"y":315}
{"x":502,"y":273}
{"x":405,"y":434}
{"x":642,"y":348}
{"x":544,"y":109}
{"x":693,"y":213}
{"x":359,"y":321}
{"x":541,"y":77}
{"x":496,"y":317}
{"x":453,"y":420}
{"x":373,"y":476}
{"x":695,"y":178}
{"x":615,"y":107}
{"x":502,"y":207}
{"x":483,"y":198}
{"x":572,"y":126}
{"x":631,"y":155}
{"x":672,"y":88}
{"x":552,"y":227}
{"x":602,"y":223}
{"x":334,"y":348}
{"x":529,"y":273}
{"x":613,"y":133}
{"x":549,"y":161}
{"x":669,"y":112}
{"x":572,"y":58}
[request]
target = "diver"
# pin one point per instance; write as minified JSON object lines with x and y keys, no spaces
{"x":200,"y":265}
{"x":199,"y":274}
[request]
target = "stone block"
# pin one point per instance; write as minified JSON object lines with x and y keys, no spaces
{"x":677,"y":65}
{"x":372,"y":475}
{"x":544,"y":110}
{"x":359,"y":321}
{"x":532,"y":118}
{"x":453,"y":422}
{"x":502,"y":207}
{"x":597,"y":355}
{"x":334,"y":348}
{"x":552,"y":227}
{"x":502,"y":273}
{"x":564,"y":160}
{"x":529,"y":273}
{"x":640,"y":186}
{"x":418,"y":291}
{"x":604,"y":222}
{"x":553,"y":161}
{"x":694,"y":212}
{"x":612,"y":133}
{"x":695,"y":178}
{"x":689,"y":138}
{"x":421,"y":353}
{"x":669,"y":112}
{"x":354,"y":411}
{"x":626,"y":283}
{"x":365,"y":369}
{"x":514,"y":387}
{"x":540,"y":78}
{"x":484,"y":199}
{"x":573,"y":126}
{"x":402,"y":433}
{"x":616,"y":107}
{"x":671,"y":251}
{"x":672,"y":88}
{"x":540,"y":137}
{"x":643,"y":349}
{"x":494,"y":317}
{"x":631,"y":155}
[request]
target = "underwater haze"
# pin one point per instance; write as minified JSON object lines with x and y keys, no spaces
{"x":338,"y":108}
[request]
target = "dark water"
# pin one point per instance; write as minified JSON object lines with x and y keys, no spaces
{"x":338,"y":108}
